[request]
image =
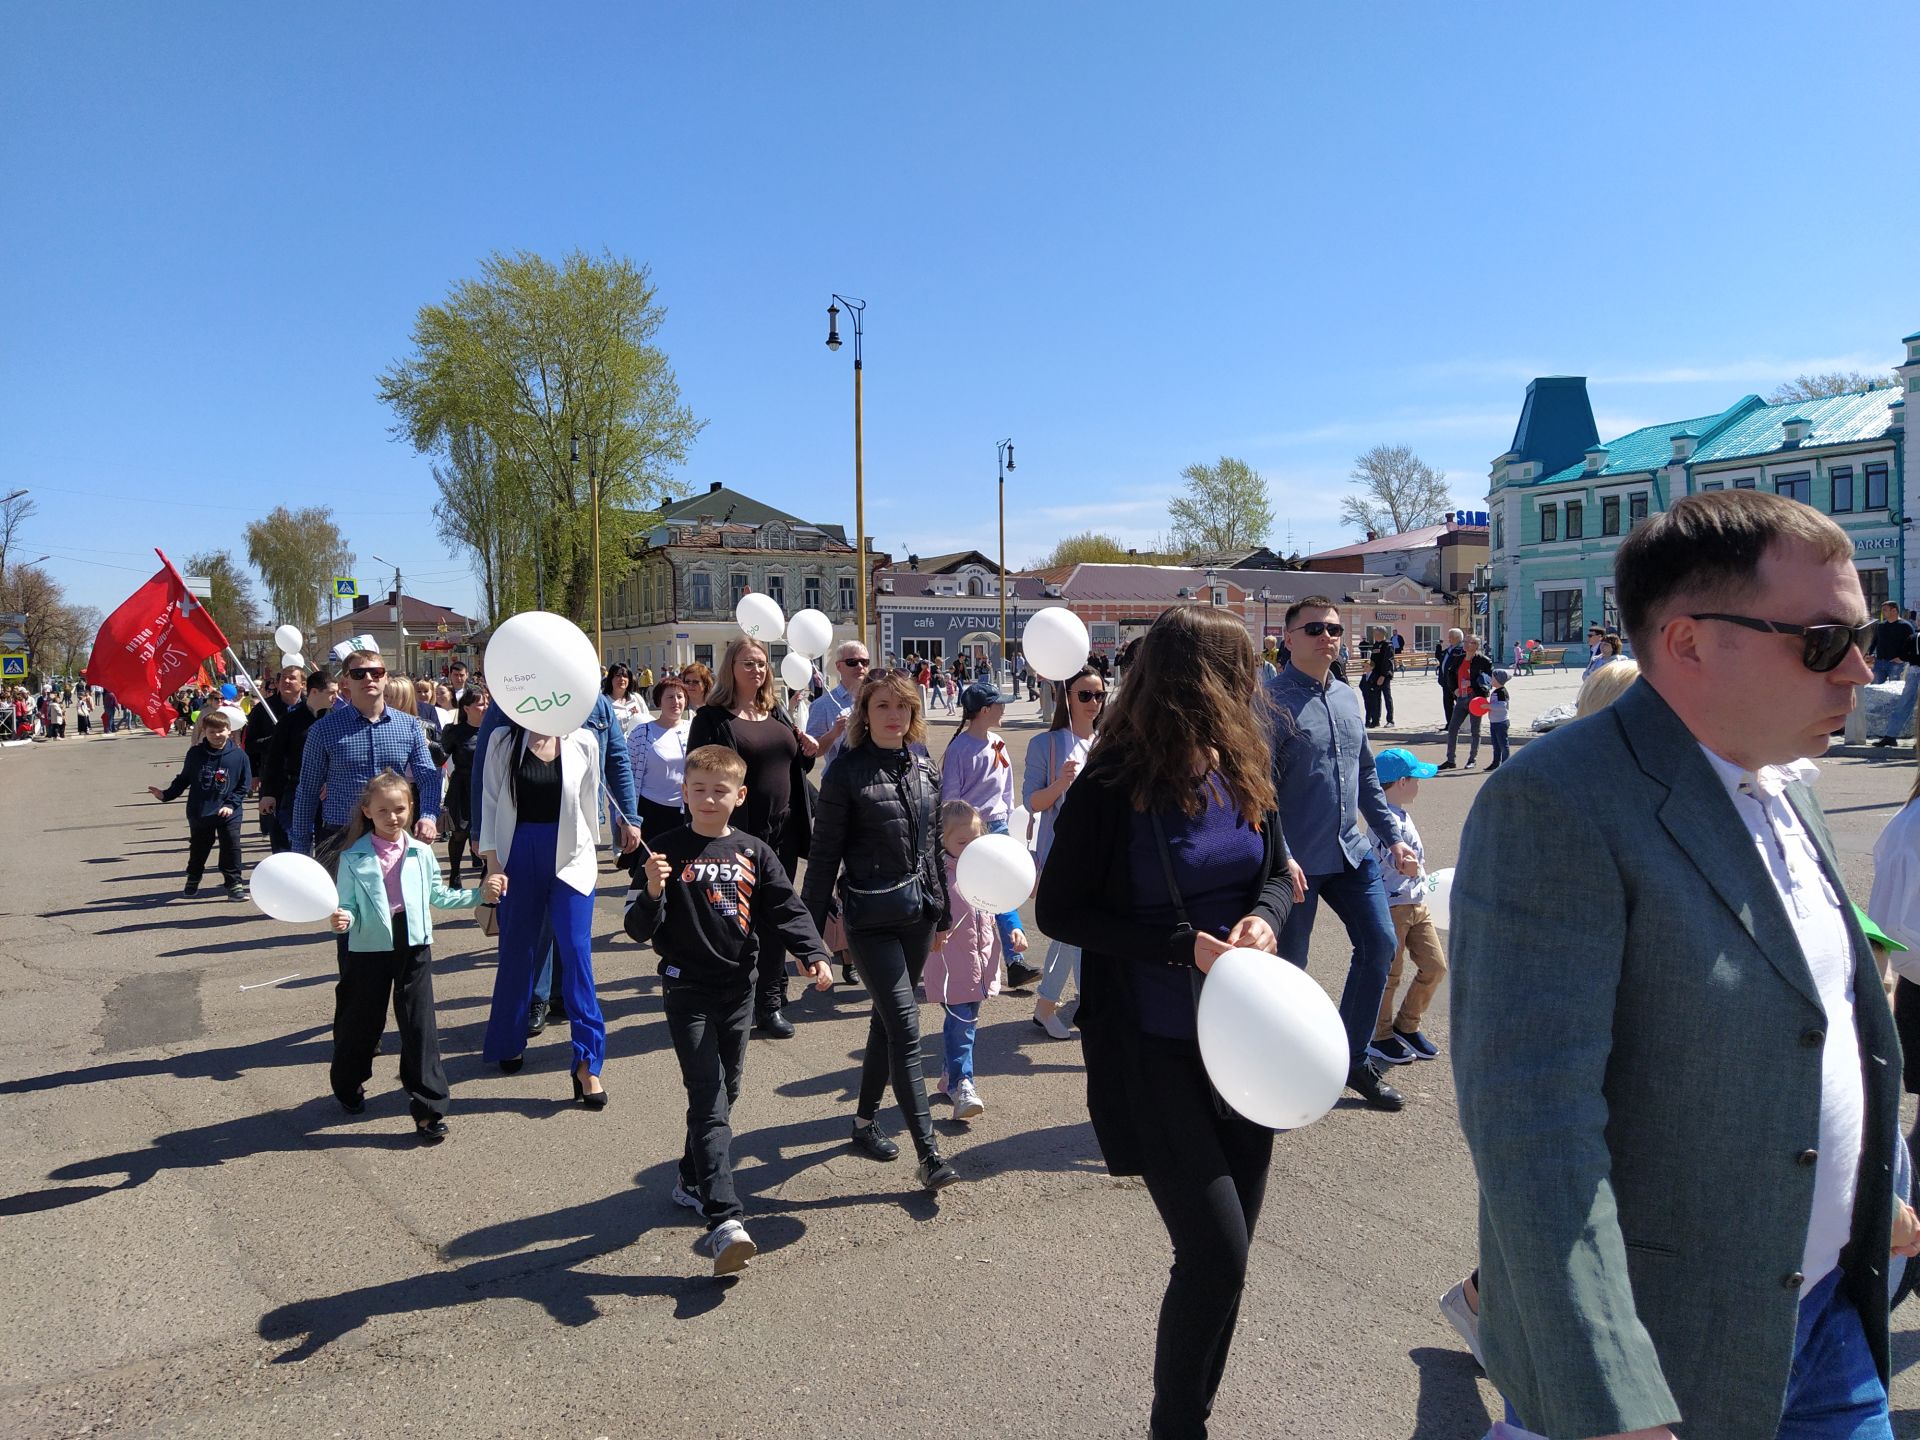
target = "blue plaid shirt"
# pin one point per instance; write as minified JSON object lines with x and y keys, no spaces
{"x":344,"y":751}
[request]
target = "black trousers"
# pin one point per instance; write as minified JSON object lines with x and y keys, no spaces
{"x":771,"y":974}
{"x":367,"y":979}
{"x":200,"y":838}
{"x":1447,"y":698}
{"x":891,"y":962}
{"x":1208,"y":1176}
{"x":709,"y":1030}
{"x":1376,"y":691}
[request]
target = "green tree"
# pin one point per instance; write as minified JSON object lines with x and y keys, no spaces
{"x":297,"y":552}
{"x":1825,"y":387}
{"x":231,"y":604}
{"x":487,"y":512}
{"x":1089,"y":547}
{"x":1397,"y":491}
{"x":557,"y":368}
{"x":55,"y":631}
{"x":1225,"y":508}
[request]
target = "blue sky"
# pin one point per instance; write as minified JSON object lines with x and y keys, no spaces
{"x":1131,"y":236}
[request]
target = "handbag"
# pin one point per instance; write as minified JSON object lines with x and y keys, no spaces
{"x":890,"y":907}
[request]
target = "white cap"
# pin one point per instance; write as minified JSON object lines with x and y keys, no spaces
{"x":354,"y":645}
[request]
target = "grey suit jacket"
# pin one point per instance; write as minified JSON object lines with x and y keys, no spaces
{"x":1637,"y":1047}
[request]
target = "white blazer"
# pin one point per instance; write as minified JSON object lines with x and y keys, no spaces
{"x":574,"y":853}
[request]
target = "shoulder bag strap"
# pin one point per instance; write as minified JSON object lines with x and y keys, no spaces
{"x":1166,"y":868}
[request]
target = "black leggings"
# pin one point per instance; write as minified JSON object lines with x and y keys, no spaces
{"x":891,"y":962}
{"x":1207,"y":1174}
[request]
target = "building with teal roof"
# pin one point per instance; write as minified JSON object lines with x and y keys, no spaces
{"x":1561,"y":499}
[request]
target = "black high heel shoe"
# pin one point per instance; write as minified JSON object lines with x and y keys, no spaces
{"x":592,"y":1099}
{"x":512,"y":1067}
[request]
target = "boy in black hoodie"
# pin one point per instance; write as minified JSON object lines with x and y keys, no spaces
{"x":217,"y":776}
{"x":703,"y":897}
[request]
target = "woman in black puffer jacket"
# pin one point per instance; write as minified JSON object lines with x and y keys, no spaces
{"x":877,"y":832}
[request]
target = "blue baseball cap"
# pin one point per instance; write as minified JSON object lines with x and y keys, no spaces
{"x":1392,"y":765}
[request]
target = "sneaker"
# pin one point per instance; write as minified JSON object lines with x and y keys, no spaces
{"x":936,"y":1174}
{"x":1493,"y":767}
{"x":684,"y":1197}
{"x":1053,"y":1025}
{"x":967,"y":1104}
{"x":731,"y":1247}
{"x":1445,"y":765}
{"x":1457,"y":1313}
{"x":1471,"y":765}
{"x":1885,"y":742}
{"x":236,"y":892}
{"x":1417,"y":1042}
{"x":1364,"y":1079}
{"x":1391,"y":1051}
{"x":1020,"y":974}
{"x":943,"y":1092}
{"x":192,"y":887}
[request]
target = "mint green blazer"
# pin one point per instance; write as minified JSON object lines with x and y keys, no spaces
{"x":363,"y":894}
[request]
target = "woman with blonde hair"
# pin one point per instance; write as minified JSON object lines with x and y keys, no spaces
{"x":1604,"y":686}
{"x":744,"y":714}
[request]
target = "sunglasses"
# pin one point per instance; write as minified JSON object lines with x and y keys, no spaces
{"x":1324,"y":627}
{"x":857,"y":664}
{"x":367,"y":672}
{"x":1824,"y":646}
{"x":1087,"y":697}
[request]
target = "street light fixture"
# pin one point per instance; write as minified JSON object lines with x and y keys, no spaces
{"x":1004,"y":452}
{"x":1265,"y":596}
{"x":856,"y":313}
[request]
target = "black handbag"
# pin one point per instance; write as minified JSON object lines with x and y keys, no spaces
{"x":892,"y":907}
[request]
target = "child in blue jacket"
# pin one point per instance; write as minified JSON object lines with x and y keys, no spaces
{"x":216,"y":776}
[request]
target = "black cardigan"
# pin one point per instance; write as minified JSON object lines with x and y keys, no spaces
{"x":1086,"y":899}
{"x":713,"y":725}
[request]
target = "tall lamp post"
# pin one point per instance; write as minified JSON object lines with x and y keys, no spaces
{"x":1265,"y":596}
{"x":856,"y":312}
{"x":1004,"y":452}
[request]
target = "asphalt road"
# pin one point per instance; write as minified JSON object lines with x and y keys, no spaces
{"x":199,"y":1242}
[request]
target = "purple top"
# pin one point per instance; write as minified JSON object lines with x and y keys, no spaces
{"x":979,"y":772}
{"x":1217,"y":863}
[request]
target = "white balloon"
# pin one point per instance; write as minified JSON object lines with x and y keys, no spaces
{"x":294,"y":887}
{"x":995,"y":873}
{"x":1055,"y":643}
{"x":293,"y":657}
{"x":796,"y":670}
{"x":759,"y":616}
{"x":1272,"y":1041}
{"x":543,"y":672}
{"x":810,"y":633}
{"x":1440,"y":897}
{"x":289,"y":638}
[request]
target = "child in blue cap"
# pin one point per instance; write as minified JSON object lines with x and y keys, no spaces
{"x":1396,"y":1038}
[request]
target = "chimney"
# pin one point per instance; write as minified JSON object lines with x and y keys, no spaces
{"x":913,"y":562}
{"x":1372,"y":536}
{"x":714,"y":488}
{"x":360,"y":602}
{"x":1132,"y":553}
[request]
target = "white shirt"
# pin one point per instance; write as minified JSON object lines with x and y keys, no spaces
{"x":1820,"y":927}
{"x":1895,"y":902}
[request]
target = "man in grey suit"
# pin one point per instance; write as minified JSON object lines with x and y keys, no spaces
{"x":1677,"y":1071}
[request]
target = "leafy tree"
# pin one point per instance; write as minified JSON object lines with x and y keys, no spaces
{"x":1398,"y":491}
{"x":486,"y":511}
{"x":1225,"y":508}
{"x":297,"y":552}
{"x":1089,"y":547}
{"x":1825,"y":387}
{"x":232,"y":604}
{"x":55,"y":631}
{"x":546,"y":362}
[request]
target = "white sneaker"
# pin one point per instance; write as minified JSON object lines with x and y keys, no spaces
{"x":967,"y":1104}
{"x":1454,"y":1307}
{"x":684,"y":1197}
{"x":731,"y":1247}
{"x":1052,"y":1024}
{"x":943,"y":1092}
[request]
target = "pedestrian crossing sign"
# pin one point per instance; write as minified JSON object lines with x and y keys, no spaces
{"x":345,"y":587}
{"x":13,"y":665}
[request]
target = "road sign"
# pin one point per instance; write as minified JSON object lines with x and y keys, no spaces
{"x":345,"y":587}
{"x":13,"y":665}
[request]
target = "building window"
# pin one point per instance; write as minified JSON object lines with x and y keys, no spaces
{"x":1499,"y":530}
{"x":702,"y":590}
{"x":846,"y":592}
{"x":1609,"y":612}
{"x":737,"y":584}
{"x":703,"y":655}
{"x":1426,"y":638}
{"x":1842,"y":489}
{"x":1560,"y":620}
{"x":1219,"y":595}
{"x":1549,"y":524}
{"x":1706,"y":485}
{"x":1610,"y":515}
{"x":1873,"y":584}
{"x":1746,"y":484}
{"x":1636,"y":509}
{"x":810,"y":592}
{"x":1795,"y":487}
{"x":928,"y":650}
{"x":777,"y":590}
{"x":1876,"y":477}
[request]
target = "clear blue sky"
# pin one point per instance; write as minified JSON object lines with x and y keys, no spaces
{"x":1129,"y":235}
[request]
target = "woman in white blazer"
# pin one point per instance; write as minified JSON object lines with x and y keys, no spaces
{"x":540,"y":817}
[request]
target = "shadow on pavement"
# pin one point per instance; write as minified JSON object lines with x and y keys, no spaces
{"x":1449,"y":1407}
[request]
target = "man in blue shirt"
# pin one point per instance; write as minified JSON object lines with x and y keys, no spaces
{"x":1323,"y":773}
{"x":827,"y":716}
{"x":350,"y":745}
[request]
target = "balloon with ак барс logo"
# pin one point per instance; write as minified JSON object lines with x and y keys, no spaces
{"x":543,"y":672}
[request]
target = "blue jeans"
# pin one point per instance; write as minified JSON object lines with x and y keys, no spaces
{"x":962,"y":1024}
{"x":1903,"y":712}
{"x":1008,"y":923}
{"x":1885,"y":670}
{"x":1062,"y":960}
{"x":1358,"y":898}
{"x":1498,"y":731}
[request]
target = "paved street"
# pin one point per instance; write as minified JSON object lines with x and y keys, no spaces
{"x":198,"y":1240}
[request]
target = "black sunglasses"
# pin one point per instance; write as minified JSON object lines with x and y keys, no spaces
{"x":1087,"y":697}
{"x":367,"y":672}
{"x":1324,"y":627}
{"x":857,"y":663}
{"x":1825,"y":645}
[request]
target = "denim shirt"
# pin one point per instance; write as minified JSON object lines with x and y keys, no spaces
{"x":1323,"y":773}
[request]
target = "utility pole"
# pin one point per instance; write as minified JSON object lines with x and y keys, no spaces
{"x":397,"y":611}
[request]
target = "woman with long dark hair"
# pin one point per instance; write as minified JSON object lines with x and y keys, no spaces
{"x":1053,"y":761}
{"x":744,"y":714}
{"x":459,"y":740}
{"x":877,"y":835}
{"x":1169,"y":856}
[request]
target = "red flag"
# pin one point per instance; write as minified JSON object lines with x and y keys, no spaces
{"x":152,"y":645}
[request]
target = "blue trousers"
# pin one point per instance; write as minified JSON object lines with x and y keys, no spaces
{"x":1903,"y":712}
{"x":962,"y":1024}
{"x":1006,"y":924}
{"x":1356,"y":895}
{"x":534,"y":892}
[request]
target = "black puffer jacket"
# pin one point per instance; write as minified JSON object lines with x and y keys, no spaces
{"x":863,"y":827}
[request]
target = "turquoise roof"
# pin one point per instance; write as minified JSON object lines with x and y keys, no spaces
{"x":1640,"y":450}
{"x":1837,"y":420}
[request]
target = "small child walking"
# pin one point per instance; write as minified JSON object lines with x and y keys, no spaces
{"x":1396,"y":1038}
{"x":963,"y":968}
{"x":216,"y":776}
{"x":1497,"y":726}
{"x":389,"y":886}
{"x":704,"y":897}
{"x":977,"y":767}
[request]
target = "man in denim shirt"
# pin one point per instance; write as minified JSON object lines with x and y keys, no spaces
{"x":1323,"y":773}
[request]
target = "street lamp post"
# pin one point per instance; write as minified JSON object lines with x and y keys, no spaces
{"x":593,"y":491}
{"x":1004,"y":452}
{"x":1265,"y":596}
{"x":856,"y":312}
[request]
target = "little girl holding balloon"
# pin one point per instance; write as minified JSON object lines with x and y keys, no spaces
{"x":963,"y":968}
{"x":387,"y":882}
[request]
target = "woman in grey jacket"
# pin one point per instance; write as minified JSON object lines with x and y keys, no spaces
{"x":1053,"y":760}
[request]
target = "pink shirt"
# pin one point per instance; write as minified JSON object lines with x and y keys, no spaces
{"x":390,"y":853}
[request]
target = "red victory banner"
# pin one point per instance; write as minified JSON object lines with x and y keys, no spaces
{"x":152,"y":645}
